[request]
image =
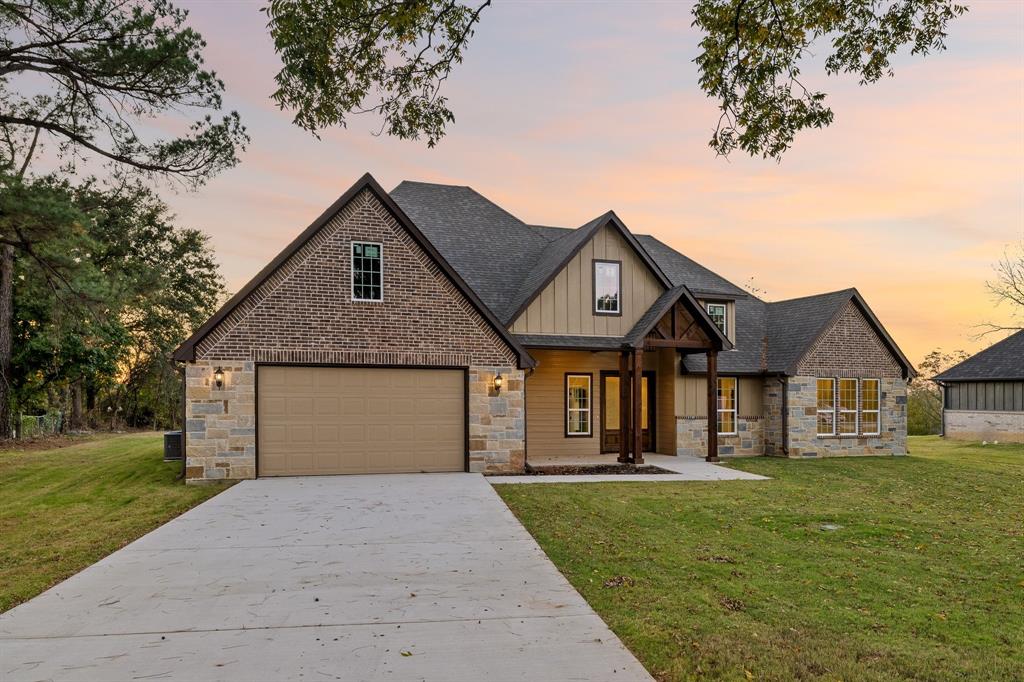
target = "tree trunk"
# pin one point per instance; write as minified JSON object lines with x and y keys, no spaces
{"x":76,"y":406}
{"x":6,"y":318}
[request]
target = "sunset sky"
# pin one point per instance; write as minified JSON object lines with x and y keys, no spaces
{"x":565,"y":110}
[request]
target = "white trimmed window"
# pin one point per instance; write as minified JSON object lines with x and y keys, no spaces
{"x":826,"y":407}
{"x":716,"y":311}
{"x":869,"y":407}
{"x":848,"y":407}
{"x":727,"y":395}
{"x":607,"y":287}
{"x":577,"y":405}
{"x":367,"y":271}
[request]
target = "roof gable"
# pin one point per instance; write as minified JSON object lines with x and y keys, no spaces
{"x":187,"y":351}
{"x":559,"y":253}
{"x":1002,"y":361}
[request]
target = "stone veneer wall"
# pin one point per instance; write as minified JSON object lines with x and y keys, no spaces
{"x":984,"y":425}
{"x":692,"y":437}
{"x":497,"y":421}
{"x":803,"y":423}
{"x":220,"y":425}
{"x":772,"y":401}
{"x":303,"y":314}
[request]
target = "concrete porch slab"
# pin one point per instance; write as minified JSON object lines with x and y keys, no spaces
{"x":686,"y":468}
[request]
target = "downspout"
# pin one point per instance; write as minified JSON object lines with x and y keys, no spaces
{"x":785,"y":414}
{"x":942,"y":409}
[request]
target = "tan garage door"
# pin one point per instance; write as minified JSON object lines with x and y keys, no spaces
{"x":359,"y":420}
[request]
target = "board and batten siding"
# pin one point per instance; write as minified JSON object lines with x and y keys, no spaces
{"x":994,"y":396}
{"x":730,"y":315}
{"x":566,"y":305}
{"x":692,"y":396}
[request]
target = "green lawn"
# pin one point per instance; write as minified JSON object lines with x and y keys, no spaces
{"x":64,"y":509}
{"x":923,"y":579}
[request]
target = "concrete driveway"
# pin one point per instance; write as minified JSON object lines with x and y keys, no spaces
{"x":397,"y":577}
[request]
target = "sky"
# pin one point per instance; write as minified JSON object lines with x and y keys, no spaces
{"x":567,"y":109}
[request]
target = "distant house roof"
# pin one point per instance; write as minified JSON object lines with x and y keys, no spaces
{"x":1002,"y":361}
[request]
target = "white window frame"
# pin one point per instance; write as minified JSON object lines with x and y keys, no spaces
{"x":618,"y":293}
{"x":725,"y":316}
{"x":832,"y":410}
{"x":840,"y":410}
{"x":735,"y":406}
{"x":589,"y":409}
{"x":878,"y":408}
{"x":352,"y":271}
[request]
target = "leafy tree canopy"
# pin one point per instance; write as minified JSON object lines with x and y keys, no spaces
{"x":89,"y":73}
{"x":345,"y":57}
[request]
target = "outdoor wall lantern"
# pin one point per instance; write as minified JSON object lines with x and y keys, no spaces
{"x":218,"y":378}
{"x":499,"y":381}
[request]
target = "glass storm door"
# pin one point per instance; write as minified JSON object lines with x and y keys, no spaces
{"x":611,"y":434}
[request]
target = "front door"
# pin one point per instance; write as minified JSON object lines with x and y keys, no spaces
{"x":611,"y":434}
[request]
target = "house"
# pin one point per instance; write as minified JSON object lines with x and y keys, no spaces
{"x":430,"y":330}
{"x":983,"y":396}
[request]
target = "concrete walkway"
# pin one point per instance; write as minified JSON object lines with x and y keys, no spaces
{"x":398,"y":577}
{"x":687,"y":469}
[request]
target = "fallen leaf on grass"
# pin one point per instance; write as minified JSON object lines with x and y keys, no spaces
{"x":619,"y":581}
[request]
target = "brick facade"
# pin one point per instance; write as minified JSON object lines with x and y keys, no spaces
{"x":303,"y":313}
{"x":849,"y":348}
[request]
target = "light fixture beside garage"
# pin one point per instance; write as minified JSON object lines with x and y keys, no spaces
{"x":218,"y":378}
{"x":499,"y":381}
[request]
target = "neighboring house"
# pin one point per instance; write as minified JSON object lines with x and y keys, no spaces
{"x":983,"y":396}
{"x":430,"y":330}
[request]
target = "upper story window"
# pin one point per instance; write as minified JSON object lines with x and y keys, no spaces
{"x":716,"y":311}
{"x":367,"y":267}
{"x":607,"y":287}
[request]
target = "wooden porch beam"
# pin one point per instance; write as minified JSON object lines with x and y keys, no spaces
{"x":712,"y":406}
{"x":624,"y":407}
{"x":674,"y":343}
{"x":638,"y":396}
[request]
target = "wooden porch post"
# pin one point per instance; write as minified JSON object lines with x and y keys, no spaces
{"x":624,"y":407}
{"x":638,"y":399}
{"x":712,"y":406}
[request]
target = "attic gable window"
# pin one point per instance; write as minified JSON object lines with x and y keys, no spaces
{"x":607,"y":287}
{"x":367,"y":272}
{"x":716,"y":311}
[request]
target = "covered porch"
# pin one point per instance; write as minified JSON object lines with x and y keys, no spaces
{"x":612,"y":399}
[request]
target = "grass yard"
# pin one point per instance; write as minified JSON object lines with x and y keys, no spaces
{"x":66,"y":508}
{"x":921,"y":578}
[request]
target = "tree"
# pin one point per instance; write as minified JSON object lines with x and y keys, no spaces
{"x":87,"y":75}
{"x":924,"y":396}
{"x":144,"y":283}
{"x":345,"y":57}
{"x":1008,"y":288}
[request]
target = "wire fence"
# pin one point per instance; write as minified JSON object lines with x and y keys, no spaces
{"x":33,"y":426}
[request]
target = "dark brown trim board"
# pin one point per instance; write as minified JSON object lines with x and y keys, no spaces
{"x":186,"y":352}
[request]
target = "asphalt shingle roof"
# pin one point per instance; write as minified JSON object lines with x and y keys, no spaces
{"x":506,"y":261}
{"x":486,"y":244}
{"x":794,"y":325}
{"x":1001,"y":361}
